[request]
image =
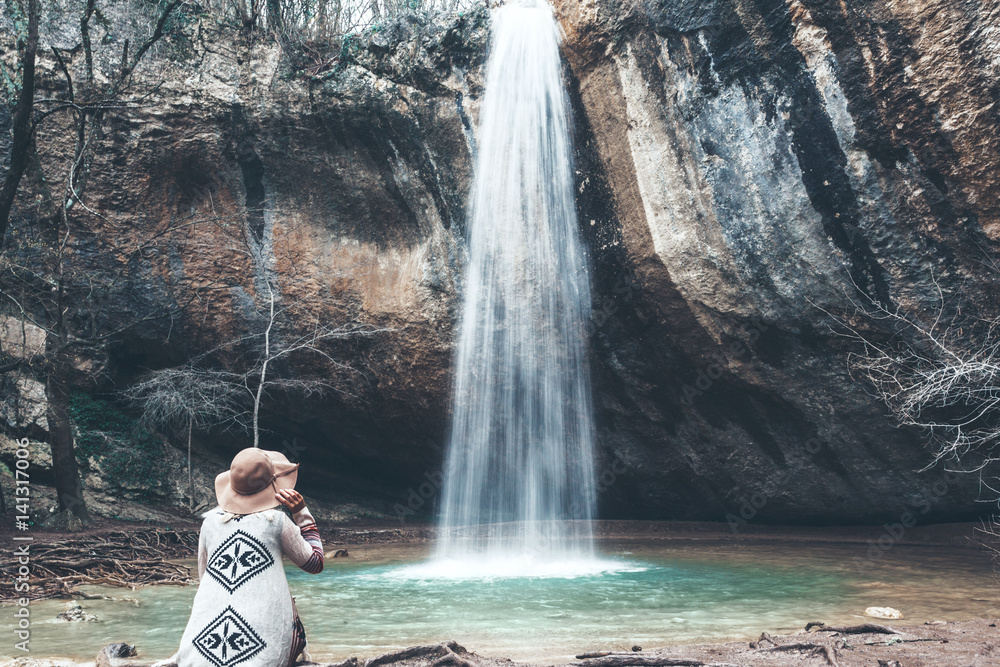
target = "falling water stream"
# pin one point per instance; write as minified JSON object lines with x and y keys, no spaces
{"x":519,"y":484}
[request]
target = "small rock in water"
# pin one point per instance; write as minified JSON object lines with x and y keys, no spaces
{"x":76,"y":613}
{"x":120,"y":650}
{"x":887,"y":613}
{"x":107,"y":654}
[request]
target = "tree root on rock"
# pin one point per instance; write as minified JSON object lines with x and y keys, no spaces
{"x":808,"y":647}
{"x":447,"y":651}
{"x":633,"y":660}
{"x":908,"y":640}
{"x":764,"y":637}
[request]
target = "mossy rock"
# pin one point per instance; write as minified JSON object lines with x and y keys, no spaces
{"x":64,"y":520}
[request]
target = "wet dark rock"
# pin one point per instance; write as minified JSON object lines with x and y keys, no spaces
{"x":111,"y":655}
{"x":76,"y":614}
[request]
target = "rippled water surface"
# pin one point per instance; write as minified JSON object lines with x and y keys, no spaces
{"x":645,"y":593}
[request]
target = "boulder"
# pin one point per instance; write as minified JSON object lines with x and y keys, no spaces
{"x":887,"y":613}
{"x":64,"y":520}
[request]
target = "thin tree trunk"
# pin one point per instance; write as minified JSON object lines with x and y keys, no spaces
{"x":23,"y":127}
{"x":263,"y":370}
{"x":65,"y":472}
{"x":336,"y":17}
{"x":248,"y":13}
{"x":190,"y":474}
{"x":274,"y":16}
{"x":256,"y":404}
{"x":126,"y":68}
{"x":85,"y":33}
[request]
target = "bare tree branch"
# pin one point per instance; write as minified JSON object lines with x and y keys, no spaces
{"x":186,"y":398}
{"x":85,"y":34}
{"x":934,"y":376}
{"x":155,"y":37}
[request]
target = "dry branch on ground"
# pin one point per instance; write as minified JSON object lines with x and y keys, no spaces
{"x":121,"y":558}
{"x":864,"y":628}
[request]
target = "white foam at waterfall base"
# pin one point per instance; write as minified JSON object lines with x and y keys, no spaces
{"x":521,"y":454}
{"x":517,"y":567}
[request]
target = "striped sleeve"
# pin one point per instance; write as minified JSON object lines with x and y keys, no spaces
{"x":202,"y":552}
{"x":302,"y":544}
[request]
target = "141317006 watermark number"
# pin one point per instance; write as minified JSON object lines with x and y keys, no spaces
{"x":22,"y":545}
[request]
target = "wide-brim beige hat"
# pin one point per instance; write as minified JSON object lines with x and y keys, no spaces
{"x":253,"y":478}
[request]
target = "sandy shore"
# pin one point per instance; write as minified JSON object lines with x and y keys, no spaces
{"x":952,"y":644}
{"x":937,"y":644}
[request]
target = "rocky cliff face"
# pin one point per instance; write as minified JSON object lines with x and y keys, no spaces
{"x":764,"y":162}
{"x":743,"y":167}
{"x":347,"y":187}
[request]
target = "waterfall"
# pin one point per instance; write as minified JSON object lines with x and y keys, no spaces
{"x":519,"y":478}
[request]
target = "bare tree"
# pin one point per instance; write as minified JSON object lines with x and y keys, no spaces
{"x":285,"y":332}
{"x":259,"y":379}
{"x":187,"y":397}
{"x":39,"y":283}
{"x":937,"y":373}
{"x":327,"y":20}
{"x":940,"y":374}
{"x":73,"y":306}
{"x":25,"y":119}
{"x":190,"y":396}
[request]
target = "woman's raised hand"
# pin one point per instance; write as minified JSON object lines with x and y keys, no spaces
{"x":291,"y":499}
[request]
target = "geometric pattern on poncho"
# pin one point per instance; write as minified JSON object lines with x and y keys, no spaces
{"x":228,"y":640}
{"x":237,"y":560}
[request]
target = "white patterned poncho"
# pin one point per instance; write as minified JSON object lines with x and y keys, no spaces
{"x":243,"y":613}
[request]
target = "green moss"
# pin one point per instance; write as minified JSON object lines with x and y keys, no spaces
{"x":127,"y":453}
{"x":349,"y":47}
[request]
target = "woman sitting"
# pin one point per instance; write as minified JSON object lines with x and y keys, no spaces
{"x":243,"y":612}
